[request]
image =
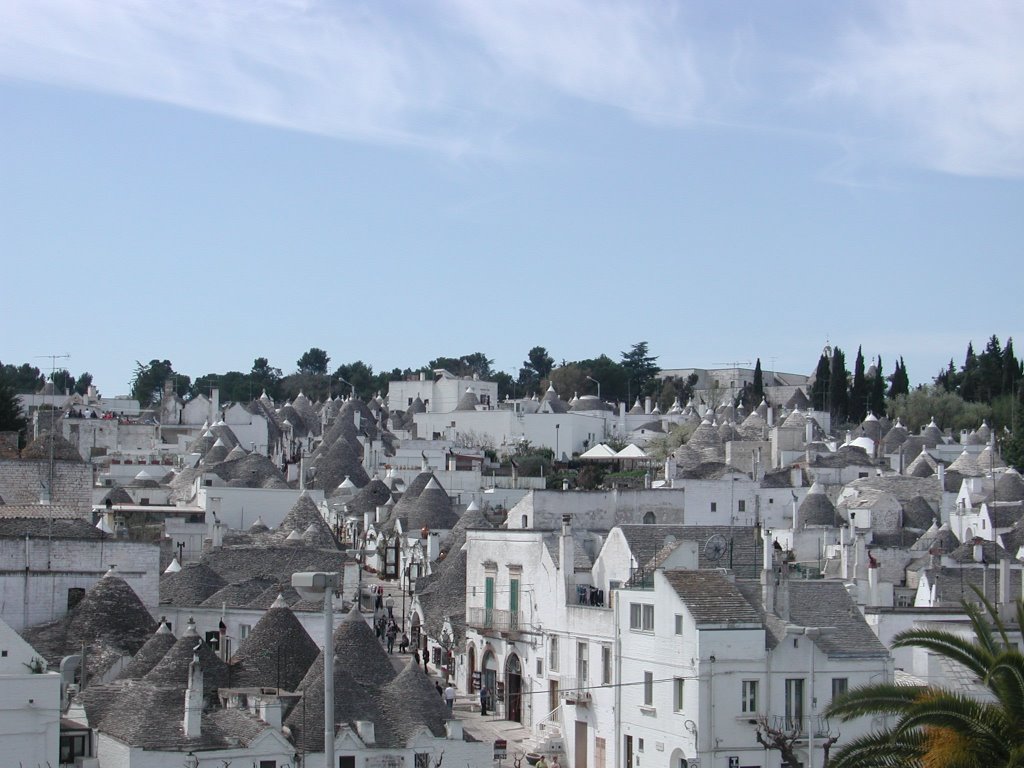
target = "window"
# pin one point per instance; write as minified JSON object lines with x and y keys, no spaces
{"x":347,"y":761}
{"x":540,"y":666}
{"x":648,"y":689}
{"x":606,"y":665}
{"x":437,"y":656}
{"x":648,"y":619}
{"x":526,"y":521}
{"x":582,"y":664}
{"x":513,"y":603}
{"x":679,"y":624}
{"x":421,"y":760}
{"x":677,"y":694}
{"x":714,"y":506}
{"x":75,"y":595}
{"x":634,"y":615}
{"x":748,"y":697}
{"x":650,"y":518}
{"x":243,"y":631}
{"x":741,"y":506}
{"x":639,"y":745}
{"x":840,"y":685}
{"x":553,"y":653}
{"x":795,"y":703}
{"x":268,"y":763}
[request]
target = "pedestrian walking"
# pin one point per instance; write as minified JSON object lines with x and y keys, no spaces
{"x":392,"y":633}
{"x":440,"y":690}
{"x":484,"y":695}
{"x":449,"y":696}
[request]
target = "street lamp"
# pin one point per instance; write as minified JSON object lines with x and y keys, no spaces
{"x":598,"y":386}
{"x":313,"y":585}
{"x":556,"y":441}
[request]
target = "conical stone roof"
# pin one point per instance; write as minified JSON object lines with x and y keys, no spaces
{"x":816,"y":508}
{"x":150,"y":654}
{"x":408,"y":703}
{"x":277,"y":653}
{"x":432,"y":509}
{"x":303,"y":514}
{"x":191,"y":585}
{"x":1009,"y":486}
{"x":172,"y":669}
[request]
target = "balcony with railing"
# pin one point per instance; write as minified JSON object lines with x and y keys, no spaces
{"x":571,"y":690}
{"x":495,"y":619}
{"x":814,"y":725}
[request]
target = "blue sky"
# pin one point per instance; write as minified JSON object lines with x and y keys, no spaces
{"x":210,"y":182}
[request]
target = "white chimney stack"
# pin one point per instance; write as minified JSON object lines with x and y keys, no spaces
{"x":193,"y":700}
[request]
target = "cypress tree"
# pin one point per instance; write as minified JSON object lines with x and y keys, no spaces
{"x":858,"y":390}
{"x":838,"y":395}
{"x":757,"y":391}
{"x":876,"y":400}
{"x":819,"y":391}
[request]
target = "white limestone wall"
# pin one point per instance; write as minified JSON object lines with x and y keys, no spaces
{"x":238,"y":508}
{"x":36,"y":574}
{"x":29,"y":719}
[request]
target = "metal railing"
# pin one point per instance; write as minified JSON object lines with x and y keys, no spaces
{"x":495,"y":618}
{"x":815,"y":725}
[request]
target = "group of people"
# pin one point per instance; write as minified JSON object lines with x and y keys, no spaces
{"x":385,"y":625}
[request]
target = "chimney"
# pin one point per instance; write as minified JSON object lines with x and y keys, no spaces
{"x":302,"y":472}
{"x":647,"y":404}
{"x":782,"y":598}
{"x":218,"y":536}
{"x":809,"y":430}
{"x":796,"y":516}
{"x":453,"y":730}
{"x":1004,"y":584}
{"x":979,"y":551}
{"x":796,"y":477}
{"x":193,"y":700}
{"x":567,"y":552}
{"x":670,"y":470}
{"x":214,"y":405}
{"x":364,"y":728}
{"x":270,"y":710}
{"x":941,"y":473}
{"x":873,"y":597}
{"x":767,"y":571}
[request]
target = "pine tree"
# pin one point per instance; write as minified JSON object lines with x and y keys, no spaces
{"x":858,"y":390}
{"x":11,"y":418}
{"x":876,"y":400}
{"x":838,"y":394}
{"x":1011,"y":369}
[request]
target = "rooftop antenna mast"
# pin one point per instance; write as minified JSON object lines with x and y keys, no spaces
{"x":49,"y":483}
{"x":734,"y":365}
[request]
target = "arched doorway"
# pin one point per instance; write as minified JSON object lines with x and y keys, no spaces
{"x":513,"y":689}
{"x":489,"y":676}
{"x":471,"y":671}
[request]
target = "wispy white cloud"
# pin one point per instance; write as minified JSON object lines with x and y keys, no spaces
{"x":632,"y":56}
{"x":452,"y":75}
{"x":945,"y":80}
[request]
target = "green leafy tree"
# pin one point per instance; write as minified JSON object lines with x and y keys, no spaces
{"x":915,"y":409}
{"x":359,"y":376}
{"x":62,"y":380}
{"x":24,"y":379}
{"x":11,"y":417}
{"x":83,"y":382}
{"x":265,"y":378}
{"x":313,"y":362}
{"x":969,"y":375}
{"x":148,"y":382}
{"x":536,"y":368}
{"x":937,"y":727}
{"x":641,"y":369}
{"x":476,"y":363}
{"x":1012,"y":370}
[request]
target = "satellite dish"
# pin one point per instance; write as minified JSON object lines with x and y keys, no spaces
{"x":716,"y":547}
